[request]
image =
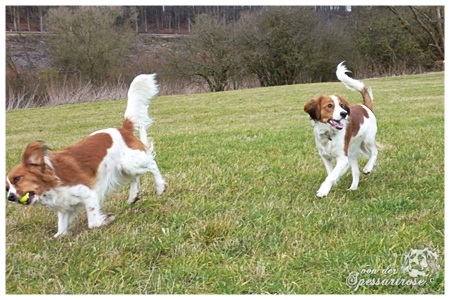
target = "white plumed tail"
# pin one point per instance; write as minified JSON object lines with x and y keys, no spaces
{"x":350,"y":83}
{"x":142,"y":89}
{"x":355,"y":85}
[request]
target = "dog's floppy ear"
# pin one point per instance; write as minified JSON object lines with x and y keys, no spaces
{"x":313,"y":109}
{"x":34,"y":154}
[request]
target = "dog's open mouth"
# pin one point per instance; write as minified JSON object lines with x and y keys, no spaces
{"x":336,"y":124}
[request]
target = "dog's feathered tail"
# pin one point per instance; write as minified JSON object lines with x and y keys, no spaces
{"x":142,"y":89}
{"x":355,"y":85}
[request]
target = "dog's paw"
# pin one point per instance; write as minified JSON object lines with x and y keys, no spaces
{"x":59,"y":234}
{"x":320,"y":195}
{"x":160,"y":189}
{"x":105,"y":220}
{"x":324,"y":189}
{"x":108,"y":219}
{"x":132,"y":200}
{"x":367,"y":170}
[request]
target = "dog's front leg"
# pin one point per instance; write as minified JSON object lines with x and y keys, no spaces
{"x":64,"y":221}
{"x":373,"y":158}
{"x":63,"y":224}
{"x":355,"y":174}
{"x":328,"y":163}
{"x":333,"y":177}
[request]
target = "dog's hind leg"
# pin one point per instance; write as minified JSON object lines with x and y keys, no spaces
{"x":134,"y":191}
{"x":159,"y":180}
{"x":372,"y":158}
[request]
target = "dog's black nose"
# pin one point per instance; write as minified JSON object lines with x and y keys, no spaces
{"x":344,"y":114}
{"x":11,"y":197}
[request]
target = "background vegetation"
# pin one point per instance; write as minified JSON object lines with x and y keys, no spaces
{"x":94,"y":52}
{"x":88,"y":41}
{"x":240,"y":214}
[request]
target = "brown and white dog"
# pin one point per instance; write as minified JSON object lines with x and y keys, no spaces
{"x":81,"y":175}
{"x":344,"y":132}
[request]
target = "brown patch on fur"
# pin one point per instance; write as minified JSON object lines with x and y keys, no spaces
{"x":356,"y":119}
{"x":78,"y":164}
{"x":366,"y":99}
{"x":128,"y":125}
{"x":127,"y":132}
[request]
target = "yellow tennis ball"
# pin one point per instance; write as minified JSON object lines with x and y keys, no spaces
{"x":24,"y":198}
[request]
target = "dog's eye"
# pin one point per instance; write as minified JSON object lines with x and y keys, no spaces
{"x":330,"y":105}
{"x":16,"y":179}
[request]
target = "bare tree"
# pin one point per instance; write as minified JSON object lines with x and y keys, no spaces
{"x":429,"y":19}
{"x":41,"y":18}
{"x":15,"y":17}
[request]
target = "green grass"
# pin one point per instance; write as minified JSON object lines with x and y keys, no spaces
{"x":240,"y":214}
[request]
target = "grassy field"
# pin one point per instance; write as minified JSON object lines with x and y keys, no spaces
{"x":240,"y":214}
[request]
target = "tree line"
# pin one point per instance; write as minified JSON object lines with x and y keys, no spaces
{"x":232,"y":47}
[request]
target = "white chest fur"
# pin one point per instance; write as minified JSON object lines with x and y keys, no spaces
{"x":66,"y":198}
{"x":329,"y":142}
